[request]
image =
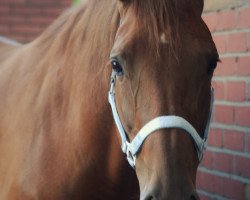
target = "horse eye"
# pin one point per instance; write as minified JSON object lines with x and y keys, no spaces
{"x":116,"y":66}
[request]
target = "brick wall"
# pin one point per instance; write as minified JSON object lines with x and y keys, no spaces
{"x":23,"y":20}
{"x":225,"y":170}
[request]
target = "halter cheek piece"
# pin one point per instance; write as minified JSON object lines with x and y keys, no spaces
{"x":161,"y":122}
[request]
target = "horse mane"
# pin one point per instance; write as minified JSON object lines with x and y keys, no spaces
{"x":154,"y":17}
{"x":78,"y":28}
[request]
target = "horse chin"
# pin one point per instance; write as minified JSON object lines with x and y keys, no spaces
{"x":159,"y":189}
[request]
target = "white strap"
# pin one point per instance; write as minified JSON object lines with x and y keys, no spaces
{"x":111,"y":98}
{"x":118,"y":122}
{"x":163,"y":122}
{"x":131,"y":149}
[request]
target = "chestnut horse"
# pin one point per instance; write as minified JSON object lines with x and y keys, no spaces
{"x":59,"y":138}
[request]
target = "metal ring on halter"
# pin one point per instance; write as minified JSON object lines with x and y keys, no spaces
{"x":130,"y":156}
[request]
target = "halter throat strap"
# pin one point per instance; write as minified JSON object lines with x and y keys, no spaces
{"x":161,"y":122}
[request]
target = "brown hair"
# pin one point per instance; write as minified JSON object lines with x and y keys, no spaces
{"x":157,"y":17}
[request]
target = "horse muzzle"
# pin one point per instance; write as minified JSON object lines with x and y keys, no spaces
{"x":167,"y":171}
{"x":156,"y":195}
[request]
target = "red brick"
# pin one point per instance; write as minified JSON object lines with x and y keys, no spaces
{"x":223,"y":162}
{"x":234,"y":140}
{"x":40,"y":20}
{"x":26,"y":29}
{"x":200,"y":179}
{"x":219,"y":90}
{"x":236,"y":91}
{"x":242,"y":166}
{"x":248,"y":41}
{"x":224,"y":114}
{"x":11,"y":2}
{"x":233,"y":189}
{"x":221,"y":186}
{"x":12,"y":20}
{"x":244,"y":15}
{"x":207,"y":159}
{"x":247,"y":191}
{"x":220,"y":41}
{"x":227,"y":20}
{"x":211,"y":20}
{"x":4,"y":10}
{"x":247,"y":142}
{"x":16,"y":1}
{"x":209,"y":182}
{"x":248,"y":92}
{"x":237,"y":42}
{"x":26,"y":11}
{"x":49,"y":3}
{"x":215,"y":137}
{"x":4,"y":29}
{"x":226,"y":67}
{"x":242,"y":116}
{"x":52,"y":11}
{"x":243,"y":67}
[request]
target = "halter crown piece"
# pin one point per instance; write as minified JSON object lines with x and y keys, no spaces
{"x":160,"y":122}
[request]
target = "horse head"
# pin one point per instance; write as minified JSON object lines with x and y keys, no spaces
{"x":58,"y":135}
{"x":163,"y":60}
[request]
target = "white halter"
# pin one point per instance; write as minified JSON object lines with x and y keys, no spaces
{"x":161,"y":122}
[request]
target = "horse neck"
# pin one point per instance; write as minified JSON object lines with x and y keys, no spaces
{"x":75,"y":63}
{"x":76,"y":50}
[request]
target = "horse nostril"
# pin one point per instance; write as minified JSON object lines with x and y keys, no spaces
{"x":149,"y":198}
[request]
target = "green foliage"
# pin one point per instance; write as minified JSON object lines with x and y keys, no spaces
{"x":75,"y":2}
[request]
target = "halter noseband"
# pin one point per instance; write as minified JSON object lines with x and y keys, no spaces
{"x":161,"y":122}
